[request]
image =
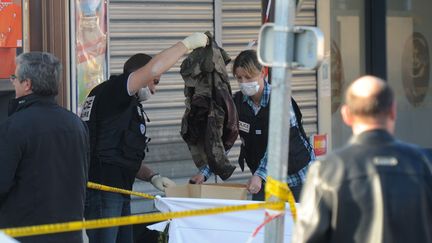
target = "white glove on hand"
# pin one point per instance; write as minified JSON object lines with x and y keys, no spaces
{"x":144,"y":94}
{"x":195,"y":40}
{"x":161,"y":183}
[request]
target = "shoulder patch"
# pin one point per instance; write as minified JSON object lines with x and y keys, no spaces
{"x":87,"y":107}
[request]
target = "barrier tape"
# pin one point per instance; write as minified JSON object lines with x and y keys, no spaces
{"x":128,"y":220}
{"x":101,"y":187}
{"x":282,"y":191}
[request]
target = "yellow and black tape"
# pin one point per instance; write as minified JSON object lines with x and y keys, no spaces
{"x":128,"y":220}
{"x":280,"y":190}
{"x":101,"y":187}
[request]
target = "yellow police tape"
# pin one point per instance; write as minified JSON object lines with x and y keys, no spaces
{"x":101,"y":187}
{"x":282,"y":191}
{"x":127,"y":220}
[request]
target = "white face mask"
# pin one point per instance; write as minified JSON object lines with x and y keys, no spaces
{"x":249,"y":88}
{"x":144,"y":94}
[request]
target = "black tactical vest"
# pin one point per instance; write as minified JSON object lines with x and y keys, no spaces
{"x":254,"y":135}
{"x":119,"y":140}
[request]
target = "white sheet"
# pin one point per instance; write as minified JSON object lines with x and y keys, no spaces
{"x":235,"y":227}
{"x":6,"y":239}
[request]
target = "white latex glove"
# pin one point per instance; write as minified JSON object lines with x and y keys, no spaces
{"x":144,"y":94}
{"x":161,"y":183}
{"x":195,"y":40}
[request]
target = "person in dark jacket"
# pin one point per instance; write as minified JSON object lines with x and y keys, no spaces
{"x":253,"y":106}
{"x":117,"y":124}
{"x":44,"y":153}
{"x":374,"y":189}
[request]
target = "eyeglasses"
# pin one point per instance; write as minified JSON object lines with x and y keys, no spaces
{"x":12,"y":78}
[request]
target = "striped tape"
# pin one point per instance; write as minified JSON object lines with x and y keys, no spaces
{"x":128,"y":220}
{"x":101,"y":187}
{"x":281,"y":191}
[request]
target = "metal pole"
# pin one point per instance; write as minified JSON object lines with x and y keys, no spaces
{"x":280,"y":106}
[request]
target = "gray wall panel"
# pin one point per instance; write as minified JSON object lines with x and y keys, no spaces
{"x":150,"y":26}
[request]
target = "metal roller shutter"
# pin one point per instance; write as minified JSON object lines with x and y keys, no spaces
{"x":304,"y":84}
{"x":241,"y":21}
{"x":150,"y":26}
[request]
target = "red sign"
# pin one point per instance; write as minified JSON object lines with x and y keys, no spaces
{"x":320,"y":144}
{"x":10,"y":36}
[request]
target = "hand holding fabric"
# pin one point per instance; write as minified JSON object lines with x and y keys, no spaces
{"x":195,"y":40}
{"x":161,"y":183}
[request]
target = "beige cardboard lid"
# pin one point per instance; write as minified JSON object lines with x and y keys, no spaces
{"x":216,"y":191}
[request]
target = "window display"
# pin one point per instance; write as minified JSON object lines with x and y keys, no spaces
{"x":91,"y":46}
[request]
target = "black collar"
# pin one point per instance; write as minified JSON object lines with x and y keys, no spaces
{"x":27,"y":100}
{"x":376,"y":136}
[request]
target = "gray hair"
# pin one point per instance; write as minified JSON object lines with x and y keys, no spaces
{"x":43,"y":69}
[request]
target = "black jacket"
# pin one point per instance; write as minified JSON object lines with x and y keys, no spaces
{"x":376,"y":189}
{"x":120,"y":139}
{"x":44,"y":153}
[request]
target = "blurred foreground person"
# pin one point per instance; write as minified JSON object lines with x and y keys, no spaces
{"x":376,"y":188}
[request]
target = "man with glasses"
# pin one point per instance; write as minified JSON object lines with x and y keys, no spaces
{"x":44,"y":153}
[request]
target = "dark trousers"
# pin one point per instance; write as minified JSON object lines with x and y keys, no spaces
{"x":101,"y":204}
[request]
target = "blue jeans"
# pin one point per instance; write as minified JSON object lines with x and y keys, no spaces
{"x":101,"y":204}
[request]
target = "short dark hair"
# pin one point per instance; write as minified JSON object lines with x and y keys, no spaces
{"x":136,"y":62}
{"x":247,"y":60}
{"x":43,"y":69}
{"x":376,"y":104}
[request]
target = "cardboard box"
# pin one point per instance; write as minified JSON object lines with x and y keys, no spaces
{"x":215,"y":191}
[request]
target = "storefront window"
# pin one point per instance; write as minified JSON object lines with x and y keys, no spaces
{"x":347,"y":58}
{"x":91,"y":57}
{"x":11,"y":42}
{"x":409,"y":39}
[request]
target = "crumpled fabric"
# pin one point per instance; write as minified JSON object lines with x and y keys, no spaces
{"x":210,"y":122}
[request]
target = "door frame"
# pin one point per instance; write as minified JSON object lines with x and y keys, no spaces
{"x":374,"y":53}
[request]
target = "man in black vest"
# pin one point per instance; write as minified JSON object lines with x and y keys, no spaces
{"x":376,"y":188}
{"x":117,"y":124}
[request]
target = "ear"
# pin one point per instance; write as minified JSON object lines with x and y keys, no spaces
{"x":393,"y":111}
{"x":346,"y":115}
{"x":27,"y":85}
{"x":263,"y":72}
